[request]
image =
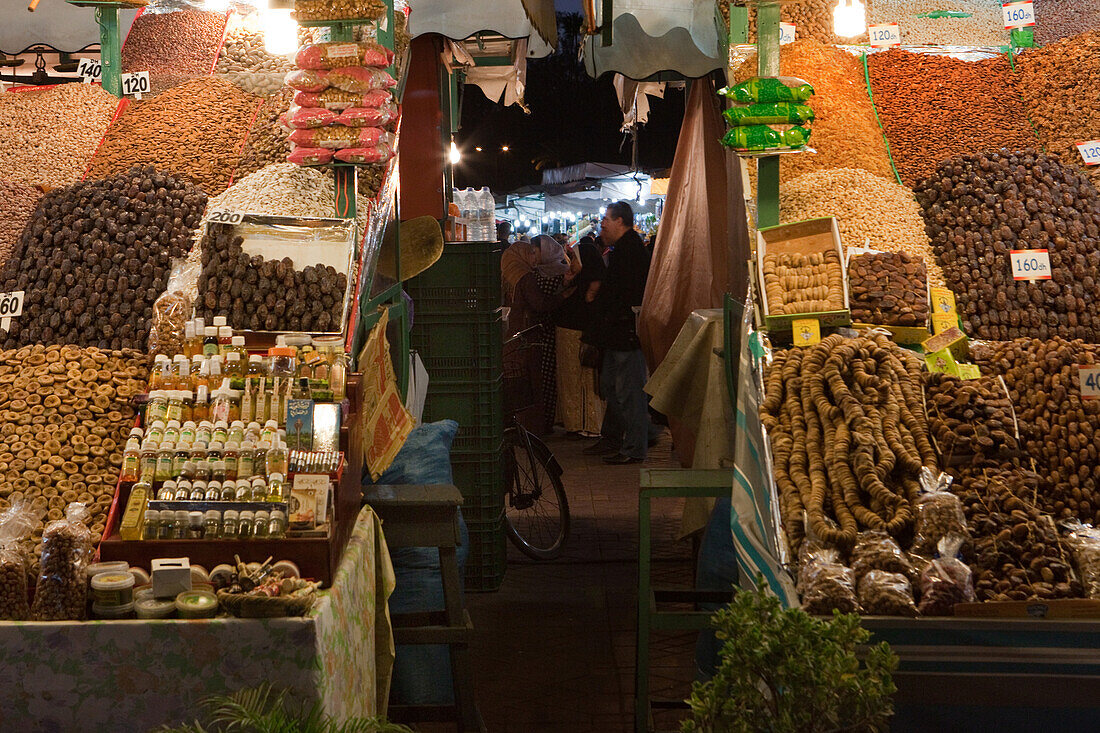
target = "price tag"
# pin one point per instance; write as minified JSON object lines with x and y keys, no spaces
{"x":342,"y":50}
{"x":885,"y":34}
{"x":1090,"y":382}
{"x":135,"y":83}
{"x":943,"y":321}
{"x":943,"y":301}
{"x":1090,"y":152}
{"x":90,"y":70}
{"x":786,"y":33}
{"x":807,"y":331}
{"x":1018,"y":14}
{"x":225,"y":216}
{"x":11,"y":306}
{"x":1030,"y":264}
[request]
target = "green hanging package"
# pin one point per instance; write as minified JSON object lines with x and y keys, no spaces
{"x":769,"y":89}
{"x":765,"y":137}
{"x":776,"y":113}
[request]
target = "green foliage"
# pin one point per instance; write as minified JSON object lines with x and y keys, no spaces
{"x":264,"y":709}
{"x":784,"y":671}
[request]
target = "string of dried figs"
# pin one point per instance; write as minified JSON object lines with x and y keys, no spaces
{"x":846,"y":421}
{"x":971,"y":420}
{"x":979,"y":208}
{"x":1016,"y":554}
{"x":1060,"y":430}
{"x":798,"y":283}
{"x":888,"y":288}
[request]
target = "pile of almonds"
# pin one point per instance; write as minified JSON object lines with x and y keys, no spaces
{"x":17,"y":203}
{"x":173,"y":47}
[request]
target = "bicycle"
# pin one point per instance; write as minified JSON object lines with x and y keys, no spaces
{"x":536,"y":511}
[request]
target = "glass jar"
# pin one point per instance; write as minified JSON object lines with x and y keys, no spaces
{"x":236,"y":432}
{"x":156,"y":409}
{"x":187,"y":431}
{"x":232,"y":458}
{"x":181,"y":458}
{"x":204,"y":432}
{"x":156,"y":433}
{"x":194,"y":525}
{"x":246,"y":525}
{"x":243,"y":491}
{"x":259,"y":490}
{"x":278,"y":491}
{"x":198,"y":490}
{"x":215,"y":452}
{"x":246,"y":466}
{"x":151,"y":529}
{"x":175,"y":406}
{"x":202,"y":471}
{"x":229,"y":524}
{"x":260,"y":526}
{"x":172,"y":432}
{"x":229,"y":491}
{"x":148,"y":465}
{"x":217,"y":471}
{"x":211,"y":524}
{"x":167,"y":491}
{"x":221,"y":432}
{"x":179,"y":525}
{"x":213,"y":491}
{"x":165,"y":453}
{"x":276,"y":526}
{"x":183,"y":491}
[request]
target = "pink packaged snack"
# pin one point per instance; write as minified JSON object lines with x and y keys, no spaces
{"x":309,"y":156}
{"x":376,"y":154}
{"x":305,"y":118}
{"x":338,"y":136}
{"x":343,"y":53}
{"x":368,"y":116}
{"x":339,"y":99}
{"x":358,"y":79}
{"x":306,"y":80}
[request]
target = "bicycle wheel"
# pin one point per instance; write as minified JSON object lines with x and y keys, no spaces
{"x":536,"y":512}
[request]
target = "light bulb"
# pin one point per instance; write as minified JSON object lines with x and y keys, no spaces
{"x":456,"y":154}
{"x":280,"y":32}
{"x":849,"y":18}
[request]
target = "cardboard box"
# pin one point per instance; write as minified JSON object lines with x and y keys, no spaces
{"x":802,"y":237}
{"x":171,"y":576}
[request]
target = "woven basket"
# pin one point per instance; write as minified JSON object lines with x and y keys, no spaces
{"x":248,"y":606}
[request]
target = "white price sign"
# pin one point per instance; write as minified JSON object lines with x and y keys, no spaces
{"x":786,"y":33}
{"x":1030,"y":264}
{"x":90,"y":70}
{"x":1018,"y":14}
{"x":1090,"y":382}
{"x":885,"y":34}
{"x":1090,"y":151}
{"x":135,"y":83}
{"x":11,"y":306}
{"x":225,"y":216}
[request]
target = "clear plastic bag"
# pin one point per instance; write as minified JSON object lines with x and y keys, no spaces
{"x":358,"y":79}
{"x":309,"y":156}
{"x":368,"y":116}
{"x":338,"y":136}
{"x":16,"y":524}
{"x":883,"y":593}
{"x":173,"y":308}
{"x":374,"y":154}
{"x":877,"y":550}
{"x":341,"y":54}
{"x":306,"y":80}
{"x":826,"y":584}
{"x":1084,"y":544}
{"x":946,"y":581}
{"x":62,"y":589}
{"x":338,"y":99}
{"x":307,"y":118}
{"x":939,"y":513}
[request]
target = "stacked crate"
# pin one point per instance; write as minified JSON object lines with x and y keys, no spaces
{"x":458,"y":333}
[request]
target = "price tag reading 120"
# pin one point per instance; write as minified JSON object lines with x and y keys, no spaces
{"x":1090,"y":151}
{"x":135,"y":83}
{"x":1030,"y":264}
{"x":1090,"y":382}
{"x":786,"y":33}
{"x":886,"y":34}
{"x":1019,"y":14}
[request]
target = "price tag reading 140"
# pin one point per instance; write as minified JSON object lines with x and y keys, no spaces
{"x":1030,"y":264}
{"x":1018,"y":14}
{"x":90,"y":70}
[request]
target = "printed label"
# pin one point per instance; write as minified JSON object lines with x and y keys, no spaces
{"x":90,"y":70}
{"x":11,"y":306}
{"x":943,"y":300}
{"x":225,"y":216}
{"x":885,"y":34}
{"x":807,"y":331}
{"x":786,"y":33}
{"x":1030,"y":264}
{"x":342,"y":50}
{"x":135,"y":83}
{"x":943,"y":321}
{"x":1090,"y":382}
{"x":1090,"y":152}
{"x":1018,"y":14}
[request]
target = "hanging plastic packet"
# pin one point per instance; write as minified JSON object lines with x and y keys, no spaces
{"x":338,"y":99}
{"x":340,"y":54}
{"x":1084,"y":543}
{"x":358,"y":79}
{"x":827,"y":585}
{"x":306,"y":80}
{"x":62,"y":589}
{"x":775,"y":113}
{"x":752,"y":138}
{"x":16,"y":524}
{"x":769,"y":89}
{"x":939,"y":513}
{"x":307,"y":118}
{"x":946,"y":581}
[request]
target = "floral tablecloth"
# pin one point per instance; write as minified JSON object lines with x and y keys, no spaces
{"x":136,"y":675}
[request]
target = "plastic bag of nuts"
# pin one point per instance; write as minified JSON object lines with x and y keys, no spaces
{"x":939,"y":514}
{"x":877,"y":550}
{"x":883,"y":593}
{"x":62,"y":589}
{"x":1084,"y":542}
{"x":173,"y":308}
{"x":946,"y":581}
{"x":826,"y":584}
{"x":15,"y":524}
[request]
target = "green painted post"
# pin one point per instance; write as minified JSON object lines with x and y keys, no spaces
{"x":767,"y":58}
{"x":110,"y":48}
{"x":606,"y":16}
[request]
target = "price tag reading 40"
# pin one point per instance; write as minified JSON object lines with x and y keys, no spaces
{"x":89,"y":70}
{"x":1018,"y":14}
{"x":786,"y":33}
{"x":886,"y":34}
{"x":1030,"y":264}
{"x":135,"y":83}
{"x":1090,"y":382}
{"x":225,"y":216}
{"x":1090,"y":152}
{"x":11,"y":306}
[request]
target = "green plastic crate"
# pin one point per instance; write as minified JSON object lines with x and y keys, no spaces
{"x":465,"y":271}
{"x":480,"y":479}
{"x":461,"y":347}
{"x":477,"y":407}
{"x":488,"y":557}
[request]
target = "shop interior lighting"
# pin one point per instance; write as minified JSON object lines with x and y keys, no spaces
{"x":280,"y":29}
{"x":504,"y":148}
{"x":849,"y":18}
{"x":455,"y":154}
{"x":478,"y":148}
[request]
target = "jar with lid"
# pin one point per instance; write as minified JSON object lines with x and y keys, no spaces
{"x":204,"y":432}
{"x":229,"y":524}
{"x":217,"y":470}
{"x":175,"y":406}
{"x":243,"y":491}
{"x":215,"y":451}
{"x":187,"y":431}
{"x":148,"y":461}
{"x":167,"y":491}
{"x":188,"y":411}
{"x":183,"y":491}
{"x":232,"y":458}
{"x":276,"y":459}
{"x":202,"y":470}
{"x":198,"y":490}
{"x":224,"y":406}
{"x":259,"y":489}
{"x":131,"y":460}
{"x":165,"y":453}
{"x":332,"y":347}
{"x":151,"y":529}
{"x":188,"y":470}
{"x":194,"y":525}
{"x":156,"y":433}
{"x":180,"y":525}
{"x":246,"y":525}
{"x":229,"y":491}
{"x":278,"y":490}
{"x":276,"y":526}
{"x":260,"y":526}
{"x":172,"y":432}
{"x":180,"y":458}
{"x":221,"y":432}
{"x":259,"y":458}
{"x":161,"y":374}
{"x":198,"y":452}
{"x":236,"y":432}
{"x":246,"y":462}
{"x":156,"y":409}
{"x":213,"y":491}
{"x":211,"y":524}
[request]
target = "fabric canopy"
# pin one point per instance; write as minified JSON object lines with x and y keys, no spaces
{"x":55,"y":23}
{"x":459,"y":20}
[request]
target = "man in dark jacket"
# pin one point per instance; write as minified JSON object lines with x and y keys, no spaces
{"x":625,"y":431}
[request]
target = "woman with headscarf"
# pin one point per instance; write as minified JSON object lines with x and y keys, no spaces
{"x":536,"y":279}
{"x":579,"y":403}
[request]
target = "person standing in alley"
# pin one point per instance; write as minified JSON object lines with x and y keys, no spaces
{"x":625,"y":433}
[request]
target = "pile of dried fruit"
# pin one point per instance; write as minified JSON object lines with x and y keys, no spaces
{"x":1058,"y":19}
{"x":980,"y":24}
{"x":935,"y":107}
{"x":195,"y":130}
{"x":173,"y":47}
{"x":17,"y":203}
{"x":48,"y":136}
{"x":795,"y":283}
{"x":812,"y":19}
{"x":972,"y":420}
{"x":981,"y":207}
{"x":96,"y":255}
{"x":889,"y":289}
{"x":267,"y":142}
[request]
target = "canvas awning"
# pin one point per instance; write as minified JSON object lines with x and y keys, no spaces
{"x":508,"y":18}
{"x":54,"y":23}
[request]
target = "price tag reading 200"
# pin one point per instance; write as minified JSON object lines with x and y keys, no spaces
{"x":225,"y":216}
{"x":1030,"y":264}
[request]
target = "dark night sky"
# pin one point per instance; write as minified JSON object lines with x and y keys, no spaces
{"x":573,"y":119}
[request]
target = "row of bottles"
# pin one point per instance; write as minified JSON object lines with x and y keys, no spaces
{"x":204,"y":451}
{"x":213,"y":524}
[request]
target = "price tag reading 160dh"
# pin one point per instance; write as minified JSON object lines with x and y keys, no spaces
{"x":1030,"y":264}
{"x":1018,"y":14}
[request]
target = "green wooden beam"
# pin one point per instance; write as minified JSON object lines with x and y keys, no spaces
{"x":607,"y":16}
{"x":767,"y":59}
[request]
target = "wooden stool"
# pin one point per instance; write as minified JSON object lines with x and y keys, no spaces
{"x":427,"y":516}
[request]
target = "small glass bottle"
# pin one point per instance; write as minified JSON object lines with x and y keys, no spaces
{"x":157,"y":407}
{"x":196,"y":341}
{"x":148,"y":465}
{"x":188,"y":431}
{"x":230,"y":517}
{"x":188,"y":411}
{"x":189,"y":339}
{"x":179,"y":525}
{"x":201,"y":409}
{"x":271,"y":429}
{"x":151,"y":529}
{"x":244,"y":490}
{"x":276,"y":527}
{"x":172,"y":432}
{"x":260,"y":526}
{"x":167,"y":491}
{"x":175,"y":406}
{"x":156,"y":432}
{"x":183,"y":491}
{"x":234,"y":370}
{"x":246,"y":464}
{"x":194,"y":525}
{"x":259,"y":458}
{"x":167,"y":520}
{"x":200,"y":371}
{"x":202,"y":470}
{"x":236,"y":432}
{"x":278,"y":490}
{"x":245,"y":525}
{"x":213,"y":491}
{"x":215,"y":451}
{"x":210,"y":341}
{"x":131,"y":460}
{"x":221,"y":432}
{"x":183,"y":372}
{"x":204,"y":432}
{"x":180,"y":458}
{"x":198,"y":491}
{"x":211,"y":524}
{"x":156,"y":376}
{"x":253,"y":431}
{"x":238,"y":347}
{"x":225,"y":338}
{"x":198,"y":451}
{"x":232,"y":458}
{"x":165,"y":453}
{"x":217,"y":471}
{"x":188,"y":470}
{"x":259,"y":490}
{"x":276,"y":459}
{"x":229,"y":491}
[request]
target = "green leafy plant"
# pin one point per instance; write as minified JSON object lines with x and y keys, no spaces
{"x":784,"y":671}
{"x":264,"y":709}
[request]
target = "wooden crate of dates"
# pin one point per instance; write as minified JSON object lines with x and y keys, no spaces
{"x":889,"y":290}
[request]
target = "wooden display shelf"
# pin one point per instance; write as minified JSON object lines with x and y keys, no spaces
{"x":1056,"y":608}
{"x":316,"y":557}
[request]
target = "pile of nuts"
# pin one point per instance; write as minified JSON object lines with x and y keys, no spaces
{"x":61,"y":592}
{"x":981,"y":26}
{"x":1059,"y":19}
{"x":195,"y":130}
{"x":972,"y":420}
{"x":1016,"y":554}
{"x":244,"y":61}
{"x":981,"y":207}
{"x":337,"y":9}
{"x":812,"y":19}
{"x":934,"y":107}
{"x":1051,"y":81}
{"x":888,"y":288}
{"x":845,"y":131}
{"x":861,"y":202}
{"x":96,"y":255}
{"x":267,"y":142}
{"x":797,"y":283}
{"x":47,"y":136}
{"x":173,"y":47}
{"x":849,"y":455}
{"x":17,"y":203}
{"x":1060,"y":430}
{"x":266,"y":295}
